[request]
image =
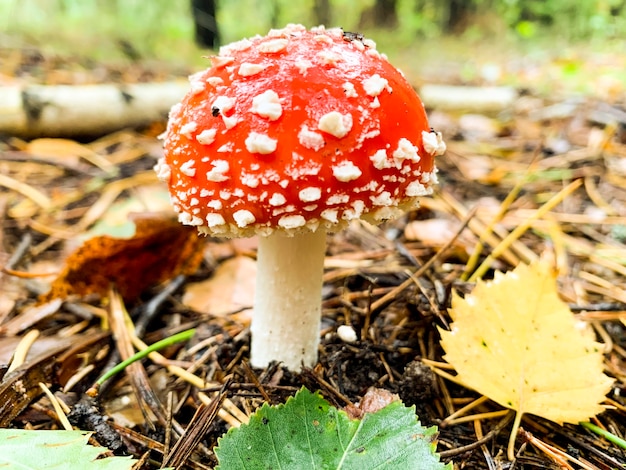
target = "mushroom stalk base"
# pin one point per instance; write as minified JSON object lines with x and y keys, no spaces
{"x":287,"y":308}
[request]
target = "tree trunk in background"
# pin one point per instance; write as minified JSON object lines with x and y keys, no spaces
{"x":382,"y":14}
{"x":207,"y":32}
{"x":275,"y":14}
{"x":321,"y":12}
{"x":459,"y":15}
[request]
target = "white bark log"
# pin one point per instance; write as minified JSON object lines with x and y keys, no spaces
{"x":467,"y":98}
{"x":287,"y":309}
{"x":73,"y":110}
{"x":93,"y":110}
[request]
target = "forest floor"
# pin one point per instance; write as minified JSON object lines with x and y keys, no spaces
{"x":54,"y":196}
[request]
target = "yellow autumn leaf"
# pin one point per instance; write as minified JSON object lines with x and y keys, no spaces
{"x":515,"y":341}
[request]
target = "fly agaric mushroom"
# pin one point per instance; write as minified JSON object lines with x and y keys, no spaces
{"x":290,"y":136}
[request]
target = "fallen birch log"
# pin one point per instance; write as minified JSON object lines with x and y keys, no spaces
{"x":94,"y":110}
{"x":75,"y":110}
{"x":469,"y":99}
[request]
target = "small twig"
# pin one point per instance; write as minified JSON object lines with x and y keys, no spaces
{"x":250,"y":373}
{"x":21,"y":351}
{"x":151,"y":309}
{"x":523,"y":227}
{"x":24,"y":189}
{"x":461,"y":450}
{"x":20,"y":251}
{"x":58,"y":408}
{"x":390,"y":296}
{"x":196,"y":431}
{"x":478,"y":429}
{"x":450,"y":420}
{"x":557,"y":455}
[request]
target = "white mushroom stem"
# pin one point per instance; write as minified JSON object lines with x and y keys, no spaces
{"x":287,"y":308}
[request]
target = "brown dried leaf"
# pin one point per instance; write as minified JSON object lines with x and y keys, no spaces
{"x":375,"y":399}
{"x":231,"y":288}
{"x":160,"y":249}
{"x":435,"y":232}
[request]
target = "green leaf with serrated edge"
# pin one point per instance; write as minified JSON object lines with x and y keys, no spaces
{"x":55,"y":450}
{"x":308,"y":433}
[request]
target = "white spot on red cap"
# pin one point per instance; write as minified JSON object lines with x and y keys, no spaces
{"x":380,"y":160}
{"x":188,"y":128}
{"x":188,"y":169}
{"x":206,"y":137}
{"x":416,"y":188}
{"x":405,"y":151}
{"x":175,"y":109}
{"x":230,"y":121}
{"x":243,"y":218}
{"x":323,"y":38}
{"x":375,"y":103}
{"x":277,"y":199}
{"x":329,"y":57}
{"x":291,"y":221}
{"x":369,"y":135}
{"x":382,"y":199}
{"x":236,"y":46}
{"x":260,"y":143}
{"x":249,"y":180}
{"x":218,"y":172}
{"x":332,"y":215}
{"x":433,"y":143}
{"x":358,"y":45}
{"x":337,"y":199}
{"x":223,"y":103}
{"x":303,"y":65}
{"x":163,"y":170}
{"x":273,"y":45}
{"x":358,"y":207}
{"x":267,"y":105}
{"x":189,"y":219}
{"x":375,"y":85}
{"x":282,"y":210}
{"x":215,"y":204}
{"x":310,"y":139}
{"x":346,"y":171}
{"x":196,"y":82}
{"x":337,"y":32}
{"x":276,"y":33}
{"x":226,"y":148}
{"x":215,"y":81}
{"x":335,"y":123}
{"x":220,"y":61}
{"x":310,"y":194}
{"x":248,"y":69}
{"x":349,"y":90}
{"x":299,"y":168}
{"x":213,"y":220}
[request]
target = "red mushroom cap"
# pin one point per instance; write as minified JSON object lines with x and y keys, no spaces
{"x":296,"y":130}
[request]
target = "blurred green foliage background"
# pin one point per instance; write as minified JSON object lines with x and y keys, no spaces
{"x":470,"y":33}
